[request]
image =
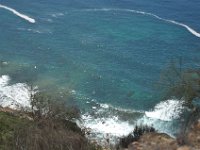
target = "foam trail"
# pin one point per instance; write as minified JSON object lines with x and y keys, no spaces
{"x":31,"y":20}
{"x":192,"y":31}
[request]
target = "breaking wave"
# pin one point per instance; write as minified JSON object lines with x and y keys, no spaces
{"x":16,"y":96}
{"x":165,"y":116}
{"x":23,"y":16}
{"x":103,"y":121}
{"x":167,"y":110}
{"x":106,"y":121}
{"x":191,"y":30}
{"x":106,"y":126}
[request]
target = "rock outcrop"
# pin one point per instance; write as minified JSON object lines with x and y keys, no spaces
{"x":161,"y":141}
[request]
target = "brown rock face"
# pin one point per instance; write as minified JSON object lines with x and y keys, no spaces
{"x":193,"y":136}
{"x":184,"y":148}
{"x":154,"y":141}
{"x":160,"y":141}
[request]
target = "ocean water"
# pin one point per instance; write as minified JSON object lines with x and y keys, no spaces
{"x":108,"y":53}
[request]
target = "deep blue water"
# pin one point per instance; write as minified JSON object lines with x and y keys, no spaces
{"x":102,"y":55}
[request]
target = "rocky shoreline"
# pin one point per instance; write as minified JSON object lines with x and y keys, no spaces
{"x":151,"y":141}
{"x":160,"y":141}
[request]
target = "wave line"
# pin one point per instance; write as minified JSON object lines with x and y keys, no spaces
{"x":192,"y":31}
{"x":23,"y":16}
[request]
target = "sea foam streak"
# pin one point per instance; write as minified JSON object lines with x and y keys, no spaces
{"x":195,"y":33}
{"x":31,"y":20}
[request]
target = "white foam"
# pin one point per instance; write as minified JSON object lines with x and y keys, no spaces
{"x":166,"y":110}
{"x":94,"y":107}
{"x":109,"y":106}
{"x":103,"y":122}
{"x":23,"y":16}
{"x":106,"y":121}
{"x":160,"y":126}
{"x":57,"y":15}
{"x":38,"y":31}
{"x":107,"y":126}
{"x":106,"y":106}
{"x":16,"y":96}
{"x":4,"y":80}
{"x":163,"y":115}
{"x":192,"y":31}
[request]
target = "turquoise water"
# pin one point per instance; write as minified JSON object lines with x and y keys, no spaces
{"x":103,"y":51}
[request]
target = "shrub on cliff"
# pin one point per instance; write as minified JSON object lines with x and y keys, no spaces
{"x":53,"y":106}
{"x":8,"y":123}
{"x":184,"y":84}
{"x":135,"y":135}
{"x":181,"y":83}
{"x":47,"y":134}
{"x":51,"y":127}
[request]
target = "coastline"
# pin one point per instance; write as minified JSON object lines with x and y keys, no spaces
{"x":151,"y":141}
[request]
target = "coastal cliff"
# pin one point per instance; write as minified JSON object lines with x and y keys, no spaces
{"x":10,"y":120}
{"x":160,"y":141}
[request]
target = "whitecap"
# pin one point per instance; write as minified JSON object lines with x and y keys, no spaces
{"x":73,"y":92}
{"x":23,"y":16}
{"x":55,"y":15}
{"x":118,"y":109}
{"x":105,"y":106}
{"x":38,"y":31}
{"x":94,"y":107}
{"x":34,"y":30}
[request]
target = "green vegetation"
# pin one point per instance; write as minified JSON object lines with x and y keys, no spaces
{"x":135,"y":135}
{"x":8,"y":125}
{"x":49,"y":126}
{"x":183,"y":84}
